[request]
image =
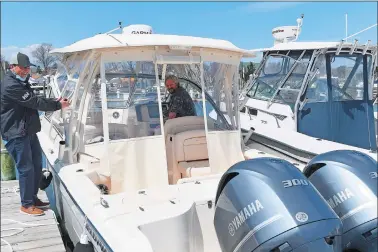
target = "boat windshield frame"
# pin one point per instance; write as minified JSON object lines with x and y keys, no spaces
{"x":307,"y":76}
{"x":286,"y":57}
{"x":166,"y":94}
{"x":90,"y":65}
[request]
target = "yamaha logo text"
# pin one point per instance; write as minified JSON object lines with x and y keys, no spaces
{"x":340,"y":197}
{"x":244,"y":215}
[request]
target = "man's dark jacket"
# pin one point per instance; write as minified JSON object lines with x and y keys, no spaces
{"x":181,"y":103}
{"x":19,"y":108}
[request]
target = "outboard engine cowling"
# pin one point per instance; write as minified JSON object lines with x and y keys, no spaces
{"x":348,"y":181}
{"x":267,"y":204}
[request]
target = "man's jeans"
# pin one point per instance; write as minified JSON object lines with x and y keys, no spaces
{"x":27,"y":154}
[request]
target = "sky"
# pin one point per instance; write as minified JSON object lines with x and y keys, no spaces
{"x":247,"y":25}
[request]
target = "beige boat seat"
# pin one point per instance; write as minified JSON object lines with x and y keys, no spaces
{"x":181,"y":124}
{"x":194,"y":168}
{"x":186,"y":145}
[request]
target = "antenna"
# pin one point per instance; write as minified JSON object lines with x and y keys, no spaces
{"x":346,"y":26}
{"x":119,"y":27}
{"x":299,"y":25}
{"x":361,"y":31}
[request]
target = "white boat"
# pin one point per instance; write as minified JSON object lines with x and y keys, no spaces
{"x":122,"y":177}
{"x":311,"y":97}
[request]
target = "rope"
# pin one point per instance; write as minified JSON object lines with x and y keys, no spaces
{"x":14,"y":189}
{"x":19,"y":230}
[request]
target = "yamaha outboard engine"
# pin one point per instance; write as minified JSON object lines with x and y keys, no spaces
{"x":348,"y":181}
{"x":267,"y":204}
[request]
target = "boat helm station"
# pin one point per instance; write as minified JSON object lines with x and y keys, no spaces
{"x":116,"y":85}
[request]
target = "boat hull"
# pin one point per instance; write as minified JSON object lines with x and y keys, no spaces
{"x":71,"y":217}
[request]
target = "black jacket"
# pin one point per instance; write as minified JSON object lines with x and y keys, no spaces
{"x":181,"y":103}
{"x":19,"y":108}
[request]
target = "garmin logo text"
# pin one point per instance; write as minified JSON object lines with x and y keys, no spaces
{"x":244,"y":215}
{"x":277,"y":31}
{"x":340,"y":197}
{"x":140,"y":32}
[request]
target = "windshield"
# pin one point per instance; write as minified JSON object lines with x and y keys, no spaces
{"x":118,"y":92}
{"x":119,"y":89}
{"x":219,"y":80}
{"x":131,"y":95}
{"x":346,"y":79}
{"x":275,"y":69}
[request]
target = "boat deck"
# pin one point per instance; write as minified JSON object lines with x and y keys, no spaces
{"x":30,"y":233}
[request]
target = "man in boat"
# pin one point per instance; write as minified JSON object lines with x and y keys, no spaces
{"x":19,"y":124}
{"x":181,"y":104}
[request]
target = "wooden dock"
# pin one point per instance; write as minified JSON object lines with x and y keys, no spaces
{"x":31,"y":233}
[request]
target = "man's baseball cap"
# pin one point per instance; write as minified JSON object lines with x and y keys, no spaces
{"x":21,"y":60}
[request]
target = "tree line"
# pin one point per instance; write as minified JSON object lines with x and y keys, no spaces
{"x":45,"y":61}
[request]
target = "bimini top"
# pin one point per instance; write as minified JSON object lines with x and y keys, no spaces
{"x":138,"y":36}
{"x":310,"y":46}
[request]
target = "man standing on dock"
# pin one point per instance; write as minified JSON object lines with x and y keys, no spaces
{"x":19,"y":126}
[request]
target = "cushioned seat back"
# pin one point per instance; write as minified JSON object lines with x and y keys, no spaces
{"x":194,"y":168}
{"x":186,"y":150}
{"x":190,"y":145}
{"x":181,"y":124}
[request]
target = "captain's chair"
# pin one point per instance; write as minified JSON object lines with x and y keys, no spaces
{"x":186,"y":147}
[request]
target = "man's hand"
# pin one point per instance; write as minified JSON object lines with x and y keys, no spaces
{"x":65,"y":102}
{"x":172,"y":115}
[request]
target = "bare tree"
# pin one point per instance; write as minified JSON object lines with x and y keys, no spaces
{"x":249,"y":69}
{"x":4,"y":64}
{"x":43,"y":56}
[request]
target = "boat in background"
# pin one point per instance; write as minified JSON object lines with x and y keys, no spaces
{"x":308,"y":95}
